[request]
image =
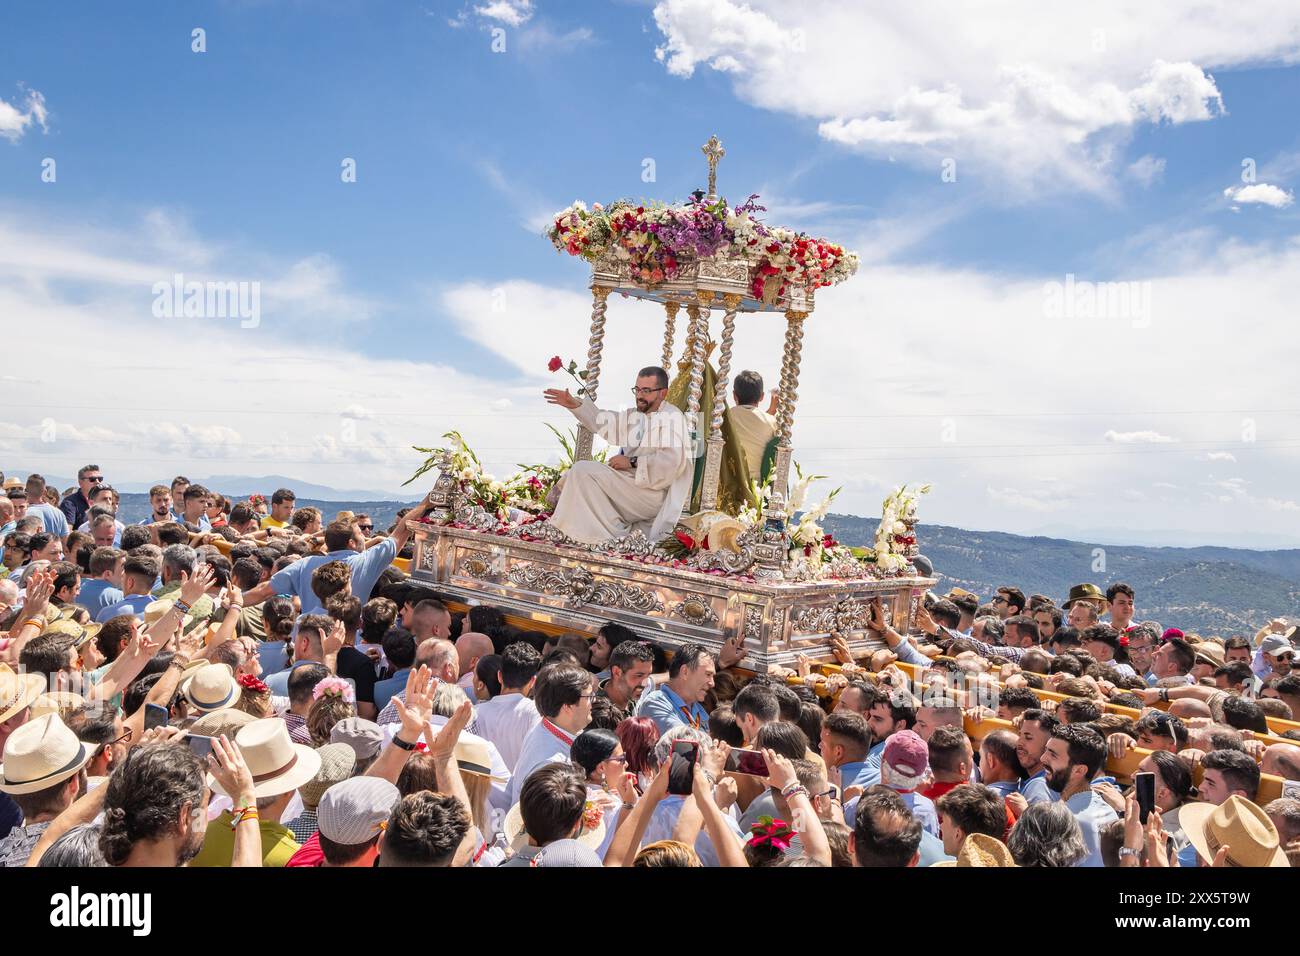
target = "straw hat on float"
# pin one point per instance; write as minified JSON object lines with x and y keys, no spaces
{"x":721,"y":529}
{"x":41,"y":754}
{"x":278,"y":765}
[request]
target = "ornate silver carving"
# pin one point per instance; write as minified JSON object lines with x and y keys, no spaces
{"x":848,"y":615}
{"x":753,"y":622}
{"x":429,"y":557}
{"x":580,"y":587}
{"x":713,"y":152}
{"x":773,"y":545}
{"x":440,"y":503}
{"x":789,"y":394}
{"x":696,"y":608}
{"x":670,"y":329}
{"x":722,"y":559}
{"x":476,"y":564}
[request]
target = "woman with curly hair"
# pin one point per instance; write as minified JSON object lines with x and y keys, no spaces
{"x":1047,"y":834}
{"x":333,"y":699}
{"x":254,"y":697}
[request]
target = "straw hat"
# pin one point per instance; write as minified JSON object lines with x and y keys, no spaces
{"x":981,"y":850}
{"x":41,"y":754}
{"x":56,"y":702}
{"x":154,"y":610}
{"x":474,"y":756}
{"x":517,"y":836}
{"x":1242,"y":826}
{"x":65,"y":627}
{"x":337,"y":762}
{"x":18,"y":691}
{"x":278,"y":765}
{"x":226,"y":721}
{"x":210,"y":688}
{"x":1209,"y":652}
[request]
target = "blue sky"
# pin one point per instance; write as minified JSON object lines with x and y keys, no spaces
{"x":1100,"y":148}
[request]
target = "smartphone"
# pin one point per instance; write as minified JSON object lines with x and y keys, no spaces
{"x":201,"y":746}
{"x":681,"y":772}
{"x":1144,"y":787}
{"x":154,"y":716}
{"x":747,"y":761}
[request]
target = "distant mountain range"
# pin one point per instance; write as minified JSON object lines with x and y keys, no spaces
{"x":1211,"y":590}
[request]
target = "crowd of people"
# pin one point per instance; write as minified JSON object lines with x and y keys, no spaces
{"x":248,"y":684}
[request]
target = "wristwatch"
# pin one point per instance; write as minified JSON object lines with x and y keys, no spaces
{"x":1129,"y":851}
{"x":403,"y":744}
{"x":632,"y":461}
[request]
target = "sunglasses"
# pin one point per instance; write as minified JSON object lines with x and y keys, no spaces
{"x":366,"y":527}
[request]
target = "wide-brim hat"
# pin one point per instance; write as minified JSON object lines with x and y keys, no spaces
{"x":66,"y":627}
{"x":154,"y":610}
{"x":56,"y":702}
{"x":979,"y":849}
{"x":18,"y":691}
{"x":278,"y":765}
{"x":1084,"y":592}
{"x":40,"y":754}
{"x":1242,"y":826}
{"x":337,"y":762}
{"x":211,"y":688}
{"x":226,"y":721}
{"x":517,"y":836}
{"x":474,"y":756}
{"x":1209,"y":652}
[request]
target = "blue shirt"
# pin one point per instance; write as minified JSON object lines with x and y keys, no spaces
{"x":278,"y":683}
{"x":273,"y":656}
{"x":1036,"y":790}
{"x":366,"y":567}
{"x":1093,"y":813}
{"x":97,"y":594}
{"x":385,"y":689}
{"x":666,"y":709}
{"x":869,"y":775}
{"x":53,"y":519}
{"x":1004,"y":788}
{"x":132,"y":604}
{"x":923,"y":810}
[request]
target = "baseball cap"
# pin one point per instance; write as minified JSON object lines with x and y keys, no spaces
{"x":365,"y":737}
{"x":355,"y":810}
{"x":904,"y":761}
{"x":1275,"y":645}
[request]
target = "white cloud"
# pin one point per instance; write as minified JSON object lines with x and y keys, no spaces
{"x":1261,"y":193}
{"x":1039,"y":501}
{"x":1138,"y":438}
{"x":512,"y":13}
{"x":540,"y":37}
{"x":1026,"y":92}
{"x":1221,"y":456}
{"x":1147,"y":169}
{"x":16,"y":118}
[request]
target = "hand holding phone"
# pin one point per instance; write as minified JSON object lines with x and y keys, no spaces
{"x":200,"y":746}
{"x":154,"y":716}
{"x":749,"y":762}
{"x":1144,"y":788}
{"x":681,"y":770}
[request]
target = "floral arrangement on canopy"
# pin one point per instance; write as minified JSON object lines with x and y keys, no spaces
{"x":656,"y":239}
{"x":896,"y":533}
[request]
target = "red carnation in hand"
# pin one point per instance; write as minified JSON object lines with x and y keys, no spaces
{"x":555,"y":364}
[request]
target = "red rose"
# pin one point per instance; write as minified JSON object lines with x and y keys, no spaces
{"x":555,"y":364}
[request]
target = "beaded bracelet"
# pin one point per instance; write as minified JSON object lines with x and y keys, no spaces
{"x":181,"y":606}
{"x":794,"y":788}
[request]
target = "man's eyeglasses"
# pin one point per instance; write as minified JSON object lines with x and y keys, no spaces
{"x":95,"y":478}
{"x":647,"y":391}
{"x":999,"y":600}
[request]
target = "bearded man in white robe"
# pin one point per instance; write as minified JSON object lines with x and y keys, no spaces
{"x":644,"y":486}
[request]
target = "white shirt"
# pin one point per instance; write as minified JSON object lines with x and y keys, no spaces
{"x":541,"y":746}
{"x":664,"y":820}
{"x":506,"y":720}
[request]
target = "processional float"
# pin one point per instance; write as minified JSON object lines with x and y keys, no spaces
{"x":772,"y":597}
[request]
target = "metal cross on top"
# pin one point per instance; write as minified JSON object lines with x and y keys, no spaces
{"x":713,"y":151}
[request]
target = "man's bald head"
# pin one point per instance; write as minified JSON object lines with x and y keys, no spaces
{"x":441,"y":658}
{"x":1281,"y":760}
{"x":471,"y":646}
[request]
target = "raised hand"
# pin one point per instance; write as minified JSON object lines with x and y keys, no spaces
{"x":195,"y":586}
{"x":780,"y":770}
{"x":416,"y":710}
{"x":561,"y":397}
{"x":227,"y":765}
{"x":442,"y":745}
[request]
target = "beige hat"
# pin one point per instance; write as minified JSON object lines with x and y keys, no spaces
{"x":1209,"y":652}
{"x":18,"y":691}
{"x":474,"y":756}
{"x":56,"y":702}
{"x":13,"y":483}
{"x":277,"y":763}
{"x":1237,"y":823}
{"x":517,"y":836}
{"x":981,"y":850}
{"x":210,"y":688}
{"x":80,"y":633}
{"x":41,"y":754}
{"x":226,"y":721}
{"x":337,"y":761}
{"x":154,"y":610}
